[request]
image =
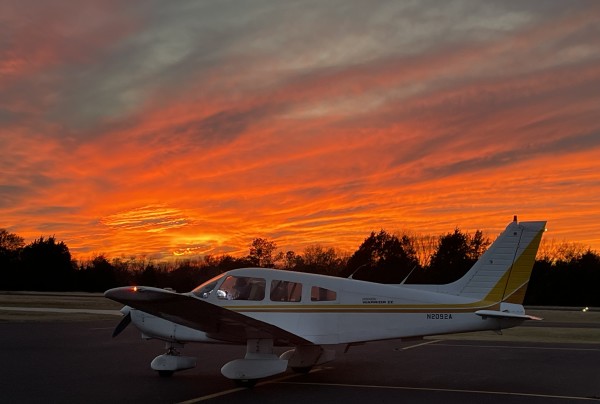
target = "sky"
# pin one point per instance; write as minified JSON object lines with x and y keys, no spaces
{"x":177,"y":129}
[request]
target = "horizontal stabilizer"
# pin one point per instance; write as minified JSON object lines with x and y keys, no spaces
{"x":505,"y":314}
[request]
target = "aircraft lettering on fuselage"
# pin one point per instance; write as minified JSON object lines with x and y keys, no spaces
{"x":373,"y":300}
{"x":439,"y":316}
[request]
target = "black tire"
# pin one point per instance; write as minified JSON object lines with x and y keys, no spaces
{"x":248,"y":383}
{"x":165,"y":373}
{"x":302,"y":369}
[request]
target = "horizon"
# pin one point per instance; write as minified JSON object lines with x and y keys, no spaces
{"x":425,"y":245}
{"x":192,"y":128}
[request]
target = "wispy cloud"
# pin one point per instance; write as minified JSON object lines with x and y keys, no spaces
{"x":152,"y":219}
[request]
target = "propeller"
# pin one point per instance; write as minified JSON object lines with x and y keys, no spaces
{"x":124,"y":321}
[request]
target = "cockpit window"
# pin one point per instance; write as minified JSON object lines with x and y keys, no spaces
{"x":318,"y":294}
{"x":242,"y":288}
{"x":285,"y":291}
{"x":207,"y":287}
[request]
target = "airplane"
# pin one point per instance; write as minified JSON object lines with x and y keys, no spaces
{"x":317,"y":315}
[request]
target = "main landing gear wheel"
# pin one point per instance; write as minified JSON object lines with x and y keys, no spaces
{"x":248,"y":383}
{"x":302,"y":369}
{"x":165,"y":373}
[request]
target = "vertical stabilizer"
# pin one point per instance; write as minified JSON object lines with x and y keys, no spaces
{"x":503,"y":271}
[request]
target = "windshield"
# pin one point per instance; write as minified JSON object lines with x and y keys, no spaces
{"x":207,"y":287}
{"x":242,"y":288}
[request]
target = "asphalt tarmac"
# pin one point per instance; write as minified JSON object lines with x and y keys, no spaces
{"x":79,"y":362}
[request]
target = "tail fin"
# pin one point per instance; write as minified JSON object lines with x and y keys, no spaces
{"x":503,"y":271}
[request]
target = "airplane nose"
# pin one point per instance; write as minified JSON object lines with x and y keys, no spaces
{"x":122,"y":292}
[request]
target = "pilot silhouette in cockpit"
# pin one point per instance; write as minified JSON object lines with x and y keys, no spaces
{"x":242,"y":288}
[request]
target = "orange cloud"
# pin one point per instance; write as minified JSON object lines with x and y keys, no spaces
{"x":170,"y":134}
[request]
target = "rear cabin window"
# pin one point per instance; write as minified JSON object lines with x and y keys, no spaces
{"x":318,"y":294}
{"x":242,"y":288}
{"x":285,"y":291}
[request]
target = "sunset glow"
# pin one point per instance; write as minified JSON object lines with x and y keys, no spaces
{"x":179,"y":129}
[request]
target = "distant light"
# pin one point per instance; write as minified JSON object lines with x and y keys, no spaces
{"x":585,"y":309}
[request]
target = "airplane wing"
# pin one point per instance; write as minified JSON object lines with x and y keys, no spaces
{"x":505,"y":315}
{"x":217,"y":322}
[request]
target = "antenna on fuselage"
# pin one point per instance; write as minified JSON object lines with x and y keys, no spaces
{"x":409,"y":274}
{"x":356,"y":270}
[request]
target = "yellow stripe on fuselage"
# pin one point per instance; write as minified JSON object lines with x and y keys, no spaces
{"x":388,"y":308}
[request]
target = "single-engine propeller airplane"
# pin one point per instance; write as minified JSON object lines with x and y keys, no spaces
{"x":262,"y":308}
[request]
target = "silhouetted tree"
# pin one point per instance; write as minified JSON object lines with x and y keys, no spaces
{"x":383,"y":258}
{"x":455,"y":255}
{"x":10,"y":241}
{"x":11,"y":278}
{"x":186,"y":276}
{"x":568,"y":282}
{"x":425,"y":246}
{"x":97,"y":275}
{"x":292,"y":261}
{"x":554,"y":251}
{"x":47,"y":265}
{"x":478,"y":244}
{"x":320,"y":260}
{"x":151,"y":275}
{"x":261,"y":252}
{"x":218,"y":264}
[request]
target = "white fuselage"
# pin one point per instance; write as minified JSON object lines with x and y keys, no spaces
{"x":364,"y":311}
{"x":361,"y":311}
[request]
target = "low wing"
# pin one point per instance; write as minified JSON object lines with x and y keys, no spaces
{"x":216,"y":321}
{"x":505,"y":315}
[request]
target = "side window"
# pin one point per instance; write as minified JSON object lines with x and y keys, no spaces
{"x":318,"y":294}
{"x":285,"y":291}
{"x":242,"y":288}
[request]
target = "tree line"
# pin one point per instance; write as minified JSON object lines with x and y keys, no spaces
{"x":564,"y":274}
